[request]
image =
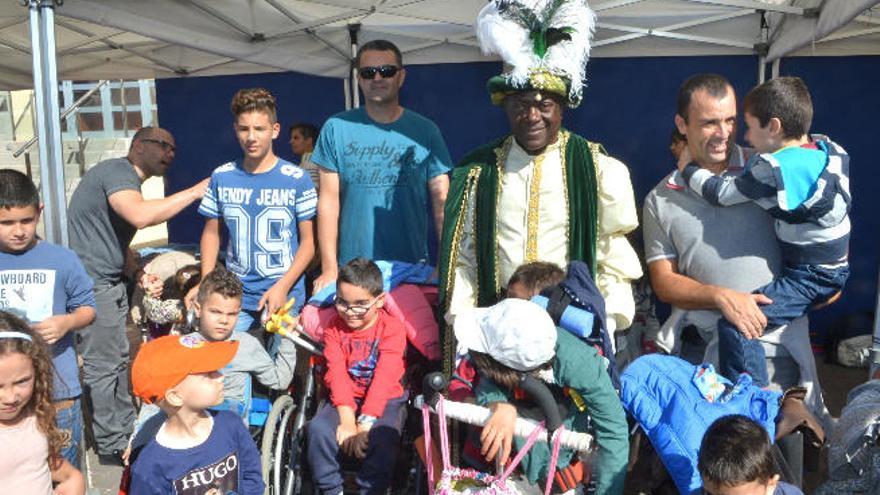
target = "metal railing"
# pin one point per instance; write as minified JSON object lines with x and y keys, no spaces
{"x":67,"y":111}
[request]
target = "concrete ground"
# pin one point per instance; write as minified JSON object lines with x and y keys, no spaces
{"x":102,"y":479}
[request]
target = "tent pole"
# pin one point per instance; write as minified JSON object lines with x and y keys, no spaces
{"x":762,"y":68}
{"x":353,"y":30}
{"x":346,"y":90}
{"x":48,"y":123}
{"x":762,"y":47}
{"x":774,"y":68}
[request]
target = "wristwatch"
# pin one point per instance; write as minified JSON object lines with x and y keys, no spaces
{"x":366,"y":419}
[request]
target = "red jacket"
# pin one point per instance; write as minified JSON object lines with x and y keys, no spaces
{"x":366,"y":364}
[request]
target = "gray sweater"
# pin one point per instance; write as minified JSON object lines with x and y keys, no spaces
{"x":252,"y":358}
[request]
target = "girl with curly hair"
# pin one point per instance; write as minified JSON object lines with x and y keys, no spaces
{"x":27,"y":416}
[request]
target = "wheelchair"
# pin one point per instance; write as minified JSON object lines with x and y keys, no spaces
{"x":283,"y":440}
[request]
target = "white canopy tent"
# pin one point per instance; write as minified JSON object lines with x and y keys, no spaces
{"x":136,"y":39}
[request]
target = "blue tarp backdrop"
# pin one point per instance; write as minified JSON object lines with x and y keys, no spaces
{"x":628,"y":106}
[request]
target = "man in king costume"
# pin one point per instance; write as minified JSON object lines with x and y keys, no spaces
{"x":541,"y":192}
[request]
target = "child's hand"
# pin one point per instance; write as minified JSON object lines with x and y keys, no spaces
{"x":684,"y":159}
{"x":74,"y":484}
{"x":151,"y":284}
{"x":190,"y":299}
{"x":497,"y":435}
{"x":125,"y":455}
{"x":274,"y":298}
{"x":344,"y":433}
{"x":52,"y":328}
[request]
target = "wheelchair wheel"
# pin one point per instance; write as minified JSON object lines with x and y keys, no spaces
{"x":273,"y":438}
{"x":291,"y":464}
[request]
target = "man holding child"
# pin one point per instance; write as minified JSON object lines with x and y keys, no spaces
{"x":706,"y":260}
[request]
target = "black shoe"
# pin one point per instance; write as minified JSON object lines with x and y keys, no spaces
{"x":113,"y":458}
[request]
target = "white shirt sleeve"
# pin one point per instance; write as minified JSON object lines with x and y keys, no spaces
{"x":617,"y":264}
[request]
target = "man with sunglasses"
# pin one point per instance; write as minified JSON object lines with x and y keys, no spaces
{"x":378,"y":166}
{"x":106,"y":210}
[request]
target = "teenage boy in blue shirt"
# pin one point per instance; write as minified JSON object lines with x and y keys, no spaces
{"x":267,"y":205}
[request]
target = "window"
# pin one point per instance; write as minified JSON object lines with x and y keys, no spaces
{"x":132,"y":96}
{"x":134,"y":121}
{"x":90,"y":121}
{"x":93,"y":101}
{"x":117,"y":109}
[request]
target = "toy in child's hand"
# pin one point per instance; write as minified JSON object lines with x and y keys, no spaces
{"x":281,"y":321}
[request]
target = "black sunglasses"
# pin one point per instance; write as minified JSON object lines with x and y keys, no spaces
{"x":385,"y":71}
{"x":164,"y":144}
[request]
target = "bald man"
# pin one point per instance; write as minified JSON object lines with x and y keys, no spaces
{"x":106,"y":210}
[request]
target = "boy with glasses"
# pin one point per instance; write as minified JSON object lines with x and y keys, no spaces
{"x":364,"y":349}
{"x":378,"y":166}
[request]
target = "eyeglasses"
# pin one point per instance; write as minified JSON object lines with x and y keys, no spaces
{"x":356,"y":310}
{"x":164,"y":144}
{"x":385,"y":71}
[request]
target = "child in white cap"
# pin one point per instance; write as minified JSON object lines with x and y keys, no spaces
{"x":516,"y":337}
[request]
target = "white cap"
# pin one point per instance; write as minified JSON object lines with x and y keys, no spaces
{"x":515,"y":332}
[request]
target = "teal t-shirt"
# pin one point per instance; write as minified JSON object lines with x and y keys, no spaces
{"x":383,"y":182}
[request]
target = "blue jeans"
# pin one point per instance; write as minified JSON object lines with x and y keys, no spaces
{"x":376,"y":469}
{"x":247,"y":321}
{"x":793,"y":293}
{"x":69,"y":421}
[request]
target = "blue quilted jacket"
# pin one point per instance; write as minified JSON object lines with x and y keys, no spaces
{"x":659,"y":392}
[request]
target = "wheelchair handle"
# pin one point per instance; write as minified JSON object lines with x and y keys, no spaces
{"x":540,"y":393}
{"x":315,"y":349}
{"x":432,"y":385}
{"x":435,"y":383}
{"x":478,"y":415}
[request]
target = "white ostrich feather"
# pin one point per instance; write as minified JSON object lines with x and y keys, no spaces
{"x":570,"y":57}
{"x":507,"y":39}
{"x":511,"y":40}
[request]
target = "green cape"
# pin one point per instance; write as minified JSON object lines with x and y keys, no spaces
{"x":479,"y":172}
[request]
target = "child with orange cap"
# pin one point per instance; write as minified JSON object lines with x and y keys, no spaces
{"x":193,"y":449}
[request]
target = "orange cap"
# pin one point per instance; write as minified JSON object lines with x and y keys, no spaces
{"x":164,"y":362}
